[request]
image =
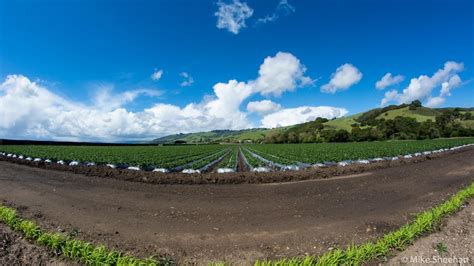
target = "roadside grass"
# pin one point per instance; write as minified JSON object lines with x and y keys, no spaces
{"x":398,"y":240}
{"x":71,"y":248}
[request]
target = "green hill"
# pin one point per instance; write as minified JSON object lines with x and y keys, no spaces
{"x":230,"y":136}
{"x":256,"y":135}
{"x":342,"y":123}
{"x":421,"y":114}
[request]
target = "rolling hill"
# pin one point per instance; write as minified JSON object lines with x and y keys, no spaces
{"x":421,"y":114}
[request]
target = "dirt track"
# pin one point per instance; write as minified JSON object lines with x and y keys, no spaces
{"x":198,"y":223}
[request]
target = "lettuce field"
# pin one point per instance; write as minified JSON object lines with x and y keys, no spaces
{"x":207,"y":157}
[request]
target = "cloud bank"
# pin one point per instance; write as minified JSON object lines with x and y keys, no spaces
{"x":28,"y":110}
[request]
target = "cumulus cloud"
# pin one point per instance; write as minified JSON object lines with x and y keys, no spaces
{"x":344,"y":77}
{"x":388,"y":80}
{"x":291,"y":116}
{"x":106,"y":99}
{"x":232,"y":16}
{"x":280,"y":73}
{"x":453,"y":82}
{"x":263,"y":107}
{"x":283,"y":9}
{"x":226,"y":105}
{"x":187,"y":79}
{"x":421,"y":88}
{"x":29,"y":110}
{"x":157,"y":75}
{"x":435,"y":101}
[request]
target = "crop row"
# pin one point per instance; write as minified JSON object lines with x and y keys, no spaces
{"x":257,"y":156}
{"x":167,"y":157}
{"x":230,"y":160}
{"x":336,"y":152}
{"x":209,"y":160}
{"x":252,"y":161}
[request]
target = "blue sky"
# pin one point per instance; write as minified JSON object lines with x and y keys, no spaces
{"x":96,"y":58}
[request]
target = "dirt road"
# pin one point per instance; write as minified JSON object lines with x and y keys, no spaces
{"x":199,"y":223}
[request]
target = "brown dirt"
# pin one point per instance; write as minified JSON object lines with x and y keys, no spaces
{"x":457,"y":234}
{"x":15,"y":250}
{"x":241,"y":165}
{"x":236,"y":223}
{"x":240,"y":177}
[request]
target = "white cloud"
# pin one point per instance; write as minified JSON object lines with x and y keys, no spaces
{"x":232,"y":16}
{"x":105,"y":99}
{"x":157,"y":75}
{"x":283,"y":9}
{"x":188,"y":80}
{"x":263,"y":107}
{"x":388,"y":80}
{"x":452,"y":83}
{"x":291,"y":116}
{"x":421,"y":88}
{"x":281,"y":73}
{"x":435,"y":101}
{"x":226,"y":105}
{"x":389,"y":96}
{"x":29,"y":110}
{"x":344,"y":77}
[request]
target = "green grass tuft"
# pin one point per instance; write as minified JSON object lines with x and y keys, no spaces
{"x":72,"y":248}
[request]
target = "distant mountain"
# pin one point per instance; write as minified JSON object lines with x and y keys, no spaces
{"x":257,"y":135}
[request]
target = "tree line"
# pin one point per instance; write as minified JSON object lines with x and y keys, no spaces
{"x":369,"y":127}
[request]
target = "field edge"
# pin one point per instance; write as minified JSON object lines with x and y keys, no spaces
{"x":425,"y":222}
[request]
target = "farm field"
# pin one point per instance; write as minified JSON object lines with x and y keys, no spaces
{"x":241,"y":223}
{"x":159,"y":156}
{"x":209,"y":157}
{"x":336,"y":152}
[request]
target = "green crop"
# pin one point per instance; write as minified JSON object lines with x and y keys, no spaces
{"x":72,"y":248}
{"x":335,"y":152}
{"x":158,"y":156}
{"x":209,"y":159}
{"x":197,"y":156}
{"x":254,"y":162}
{"x":230,"y":160}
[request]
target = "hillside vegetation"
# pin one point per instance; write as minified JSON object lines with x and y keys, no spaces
{"x":406,"y":121}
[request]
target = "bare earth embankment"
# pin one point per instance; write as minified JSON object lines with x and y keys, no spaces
{"x":233,"y":222}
